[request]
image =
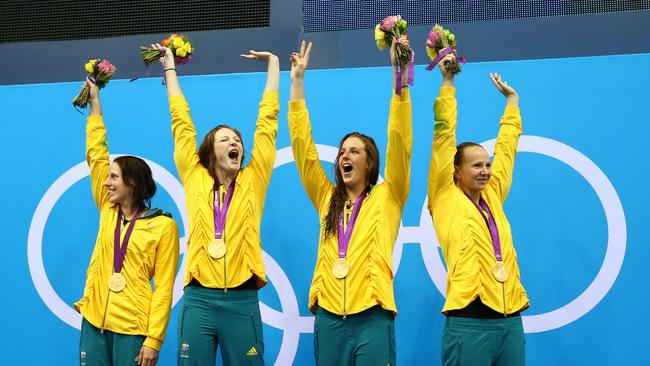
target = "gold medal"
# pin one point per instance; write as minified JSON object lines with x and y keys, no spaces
{"x":116,"y":282}
{"x":341,"y":268}
{"x":217,"y":248}
{"x":500,"y":272}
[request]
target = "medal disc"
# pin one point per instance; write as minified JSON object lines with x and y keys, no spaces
{"x":341,"y":268}
{"x":116,"y":282}
{"x":500,"y":272}
{"x":217,"y":248}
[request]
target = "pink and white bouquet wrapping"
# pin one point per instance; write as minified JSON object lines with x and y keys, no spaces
{"x":393,"y":29}
{"x":100,"y":72}
{"x":440,"y":43}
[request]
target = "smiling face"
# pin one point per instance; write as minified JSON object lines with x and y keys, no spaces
{"x":474,"y":171}
{"x":118,"y":191}
{"x":228,"y":150}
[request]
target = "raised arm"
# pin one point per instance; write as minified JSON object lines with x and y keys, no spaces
{"x":183,"y":131}
{"x":441,"y":168}
{"x":400,"y":138}
{"x":266,"y":130}
{"x":505,"y":148}
{"x":312,"y":174}
{"x":97,"y":147}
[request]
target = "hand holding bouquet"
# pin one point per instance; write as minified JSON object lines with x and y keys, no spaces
{"x":393,"y":29}
{"x":100,"y":72}
{"x":440,"y":43}
{"x":179,"y":45}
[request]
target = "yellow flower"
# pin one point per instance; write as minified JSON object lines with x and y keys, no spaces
{"x":178,"y":42}
{"x":89,"y":67}
{"x":432,"y":53}
{"x":188,"y":47}
{"x":181,"y":52}
{"x":379,"y":38}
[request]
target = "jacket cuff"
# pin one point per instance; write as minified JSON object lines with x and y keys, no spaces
{"x":152,"y":343}
{"x":297,"y":105}
{"x":447,"y":92}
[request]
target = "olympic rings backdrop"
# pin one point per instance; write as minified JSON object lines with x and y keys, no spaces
{"x":577,"y":208}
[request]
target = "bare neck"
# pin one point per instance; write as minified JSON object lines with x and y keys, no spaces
{"x":354,"y":192}
{"x":226,"y":178}
{"x":128,"y":210}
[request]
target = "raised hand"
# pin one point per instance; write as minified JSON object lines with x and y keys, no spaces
{"x":260,"y":55}
{"x":168,"y":60}
{"x":93,"y":99}
{"x":512,"y":98}
{"x":447,"y":75}
{"x":273,"y":74}
{"x":299,"y":61}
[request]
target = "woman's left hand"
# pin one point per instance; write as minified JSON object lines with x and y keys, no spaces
{"x":148,"y":356}
{"x":261,"y":55}
{"x":509,"y":92}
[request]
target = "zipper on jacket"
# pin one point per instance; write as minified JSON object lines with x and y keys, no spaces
{"x":225,"y":277}
{"x":345,"y":287}
{"x":503,"y":287}
{"x":101,"y":330}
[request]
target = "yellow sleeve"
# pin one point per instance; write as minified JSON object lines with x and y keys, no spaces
{"x":312,"y":174}
{"x":185,"y":155}
{"x":97,"y":157}
{"x":161,"y":301}
{"x":505,"y":151}
{"x":399,"y":147}
{"x":266,"y":131}
{"x":441,"y":168}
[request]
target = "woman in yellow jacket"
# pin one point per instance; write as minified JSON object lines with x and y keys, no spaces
{"x":466,"y":196}
{"x":352,"y":289}
{"x":124,"y":319}
{"x":225,"y":204}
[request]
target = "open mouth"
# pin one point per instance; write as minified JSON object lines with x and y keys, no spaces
{"x":347,"y":168}
{"x":233,"y":154}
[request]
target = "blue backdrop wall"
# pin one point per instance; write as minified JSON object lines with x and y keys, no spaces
{"x":575,"y":208}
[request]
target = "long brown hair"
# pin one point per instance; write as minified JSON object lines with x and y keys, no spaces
{"x":339,"y":196}
{"x":206,"y":151}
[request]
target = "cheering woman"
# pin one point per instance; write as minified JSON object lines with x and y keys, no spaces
{"x":225,"y":204}
{"x":466,"y":196}
{"x":352,"y":288}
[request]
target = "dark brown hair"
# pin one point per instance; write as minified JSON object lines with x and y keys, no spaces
{"x":206,"y":151}
{"x":136,"y":175}
{"x":339,"y":196}
{"x":460,"y":154}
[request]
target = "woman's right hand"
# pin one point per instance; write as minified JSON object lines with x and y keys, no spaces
{"x":299,"y":62}
{"x":94,"y":90}
{"x":447,"y":76}
{"x":168,"y":59}
{"x":93,"y":97}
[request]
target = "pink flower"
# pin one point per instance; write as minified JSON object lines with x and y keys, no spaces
{"x":105,"y":67}
{"x":389,"y":22}
{"x":434,"y":36}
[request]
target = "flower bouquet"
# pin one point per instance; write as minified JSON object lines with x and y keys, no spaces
{"x":100,"y":72}
{"x":393,"y":29}
{"x":180,"y":46}
{"x":440,"y":43}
